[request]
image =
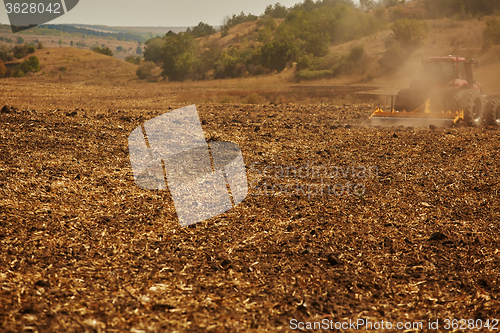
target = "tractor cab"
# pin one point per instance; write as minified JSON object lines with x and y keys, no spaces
{"x":447,"y":73}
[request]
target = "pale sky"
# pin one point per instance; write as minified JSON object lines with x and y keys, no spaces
{"x":156,"y":12}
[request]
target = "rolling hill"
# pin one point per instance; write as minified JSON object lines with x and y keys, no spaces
{"x":460,"y":38}
{"x":71,"y":65}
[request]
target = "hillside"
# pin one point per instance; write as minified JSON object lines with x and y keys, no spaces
{"x":78,"y":41}
{"x":70,"y":65}
{"x":446,"y":36}
{"x":243,"y":32}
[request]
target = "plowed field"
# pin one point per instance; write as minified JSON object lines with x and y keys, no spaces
{"x":381,"y":224}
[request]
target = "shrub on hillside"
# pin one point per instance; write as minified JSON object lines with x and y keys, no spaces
{"x":103,"y":50}
{"x":307,"y":62}
{"x":346,"y":64}
{"x":230,"y":64}
{"x":392,"y":58}
{"x":133,"y":60}
{"x":17,"y":72}
{"x":410,"y":33}
{"x":145,"y":70}
{"x":356,"y":54}
{"x":21,"y":51}
{"x":5,"y":53}
{"x":34,"y":63}
{"x":491,"y":34}
{"x":29,"y":65}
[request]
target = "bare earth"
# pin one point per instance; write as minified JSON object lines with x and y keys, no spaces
{"x":84,"y":249}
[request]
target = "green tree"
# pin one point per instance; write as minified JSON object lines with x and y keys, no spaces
{"x":278,"y":11}
{"x":153,"y":49}
{"x":318,"y":44}
{"x":410,"y":33}
{"x":60,"y":43}
{"x":178,"y":56}
{"x":275,"y":55}
{"x":138,"y":50}
{"x":71,"y":43}
{"x":39,"y":45}
{"x":230,"y":64}
{"x":5,"y":53}
{"x":209,"y":55}
{"x":119,"y":48}
{"x":20,"y":40}
{"x":265,"y":35}
{"x":34,"y":63}
{"x":201,"y":30}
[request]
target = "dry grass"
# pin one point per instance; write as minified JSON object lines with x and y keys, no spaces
{"x":77,"y":66}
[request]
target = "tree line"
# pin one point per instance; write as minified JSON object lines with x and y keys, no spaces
{"x":306,"y":34}
{"x":121,"y":36}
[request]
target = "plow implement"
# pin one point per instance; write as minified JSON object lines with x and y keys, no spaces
{"x":422,"y":116}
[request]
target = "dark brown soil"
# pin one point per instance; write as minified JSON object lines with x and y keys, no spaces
{"x":84,"y":249}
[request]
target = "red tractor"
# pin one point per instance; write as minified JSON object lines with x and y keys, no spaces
{"x":445,"y":91}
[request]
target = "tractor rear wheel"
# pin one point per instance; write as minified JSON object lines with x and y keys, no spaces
{"x":403,"y":100}
{"x":471,"y":102}
{"x":408,"y":100}
{"x":492,"y":112}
